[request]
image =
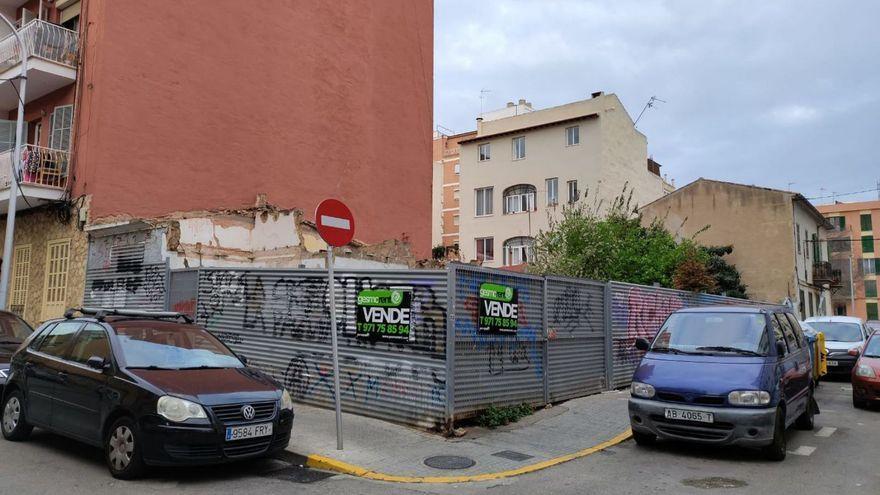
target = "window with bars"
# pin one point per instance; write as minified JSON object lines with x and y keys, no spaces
{"x":62,"y":121}
{"x":519,"y":198}
{"x":55,"y":286}
{"x":21,"y":268}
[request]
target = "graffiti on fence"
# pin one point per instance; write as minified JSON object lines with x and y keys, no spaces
{"x":115,"y":290}
{"x":571,"y":310}
{"x":641,"y":312}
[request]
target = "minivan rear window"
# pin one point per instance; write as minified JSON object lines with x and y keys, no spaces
{"x":713,"y":333}
{"x":838,"y":331}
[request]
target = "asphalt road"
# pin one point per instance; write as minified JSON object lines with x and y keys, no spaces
{"x":841,"y":456}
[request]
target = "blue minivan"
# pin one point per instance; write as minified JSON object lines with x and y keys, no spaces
{"x":724,"y":376}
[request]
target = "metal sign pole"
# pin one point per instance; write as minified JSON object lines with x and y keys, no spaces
{"x":332,"y":285}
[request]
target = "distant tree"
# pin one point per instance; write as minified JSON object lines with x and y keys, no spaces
{"x":727,"y":278}
{"x":615,"y":245}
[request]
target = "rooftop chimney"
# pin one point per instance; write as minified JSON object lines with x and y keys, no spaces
{"x":597,"y":94}
{"x":522,"y":101}
{"x":510,"y":104}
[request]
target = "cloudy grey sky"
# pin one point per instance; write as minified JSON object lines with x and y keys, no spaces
{"x":758,"y":92}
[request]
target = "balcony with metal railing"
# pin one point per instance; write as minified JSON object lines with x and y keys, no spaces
{"x":52,"y":61}
{"x":824,"y":273}
{"x":43,"y":176}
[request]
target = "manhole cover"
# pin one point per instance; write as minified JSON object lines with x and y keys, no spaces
{"x":449,"y":462}
{"x":714,"y":482}
{"x":512,"y":455}
{"x":298,"y":474}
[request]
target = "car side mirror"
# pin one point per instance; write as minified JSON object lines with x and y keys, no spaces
{"x":642,"y":344}
{"x":242,"y":358}
{"x":780,"y":348}
{"x":855,"y":351}
{"x":97,"y":363}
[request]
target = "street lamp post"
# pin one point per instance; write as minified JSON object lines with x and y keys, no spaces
{"x":15,"y":186}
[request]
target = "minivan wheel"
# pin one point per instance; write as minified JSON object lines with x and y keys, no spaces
{"x":14,"y":424}
{"x":777,"y":449}
{"x":805,"y":420}
{"x":123,"y":450}
{"x":643,"y":439}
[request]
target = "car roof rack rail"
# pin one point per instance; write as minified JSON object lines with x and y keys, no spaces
{"x":101,"y":313}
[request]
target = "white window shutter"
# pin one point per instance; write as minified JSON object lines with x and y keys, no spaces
{"x":7,"y":135}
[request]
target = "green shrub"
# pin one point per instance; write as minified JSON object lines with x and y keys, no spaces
{"x":494,"y":416}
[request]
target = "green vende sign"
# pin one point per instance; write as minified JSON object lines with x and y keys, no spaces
{"x":496,"y":292}
{"x":384,"y":314}
{"x":499,"y":310}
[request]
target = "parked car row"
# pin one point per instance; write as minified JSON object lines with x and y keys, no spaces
{"x":743,"y":375}
{"x":148,"y":388}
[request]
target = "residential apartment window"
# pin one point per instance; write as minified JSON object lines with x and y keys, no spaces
{"x":456,"y":220}
{"x":870,"y":288}
{"x":812,"y":311}
{"x":519,"y":198}
{"x":457,"y":168}
{"x":518,"y":250}
{"x":519,"y":147}
{"x":62,"y":120}
{"x":865,"y":219}
{"x":21,"y":268}
{"x":870,"y":266}
{"x":815,"y":245}
{"x":456,"y":194}
{"x":871,"y":308}
{"x":839,"y":223}
{"x":867,"y":244}
{"x":798,"y":239}
{"x":485,"y":249}
{"x":484,"y":201}
{"x":484,"y":151}
{"x":55,"y":286}
{"x":573,"y":193}
{"x":552,"y":191}
{"x":572,"y":135}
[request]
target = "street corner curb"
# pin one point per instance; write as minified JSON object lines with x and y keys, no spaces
{"x":325,"y":463}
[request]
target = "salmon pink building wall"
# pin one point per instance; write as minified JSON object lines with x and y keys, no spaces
{"x":190,"y":106}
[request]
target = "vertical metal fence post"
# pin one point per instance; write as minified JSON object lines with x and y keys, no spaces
{"x":609,"y":339}
{"x":167,"y":303}
{"x":451,"y":288}
{"x":546,"y":343}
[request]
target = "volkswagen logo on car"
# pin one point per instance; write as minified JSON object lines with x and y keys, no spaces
{"x":248,"y":412}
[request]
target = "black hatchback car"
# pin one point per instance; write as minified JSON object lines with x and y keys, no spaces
{"x":149,"y":388}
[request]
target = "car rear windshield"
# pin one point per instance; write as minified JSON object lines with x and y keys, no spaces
{"x":837,"y":331}
{"x":13,"y":330}
{"x":167,"y":345}
{"x":713,"y":333}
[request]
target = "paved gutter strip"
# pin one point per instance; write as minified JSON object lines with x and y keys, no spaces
{"x":329,"y":464}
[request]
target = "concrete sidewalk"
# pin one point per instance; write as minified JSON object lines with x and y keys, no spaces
{"x":379,"y":450}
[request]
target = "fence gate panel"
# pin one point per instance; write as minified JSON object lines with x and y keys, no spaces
{"x":575,"y":337}
{"x":639,"y":311}
{"x":279,"y":320}
{"x":494,"y":368}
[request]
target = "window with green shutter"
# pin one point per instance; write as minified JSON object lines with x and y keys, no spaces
{"x":870,"y":288}
{"x":867,"y":244}
{"x":865,"y":218}
{"x":872,"y":311}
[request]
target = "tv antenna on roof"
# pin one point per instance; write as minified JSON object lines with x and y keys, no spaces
{"x":483,"y":93}
{"x":650,"y":104}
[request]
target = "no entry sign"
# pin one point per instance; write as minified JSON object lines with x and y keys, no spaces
{"x":335,"y":222}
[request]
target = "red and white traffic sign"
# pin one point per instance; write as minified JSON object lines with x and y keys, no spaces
{"x":335,"y":222}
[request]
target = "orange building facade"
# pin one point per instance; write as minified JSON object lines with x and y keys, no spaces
{"x":854,"y":248}
{"x":448,"y":169}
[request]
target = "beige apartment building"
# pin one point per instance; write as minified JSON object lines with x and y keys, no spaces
{"x":776,"y":237}
{"x":446,"y":190}
{"x":523,"y":164}
{"x":854,"y":249}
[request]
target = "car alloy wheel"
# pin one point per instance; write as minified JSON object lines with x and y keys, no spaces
{"x":121,"y":447}
{"x":11,"y":415}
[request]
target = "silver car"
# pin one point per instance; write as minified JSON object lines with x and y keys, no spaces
{"x":844,"y":337}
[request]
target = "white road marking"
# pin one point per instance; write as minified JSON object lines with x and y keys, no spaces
{"x":846,"y":388}
{"x":339,"y":223}
{"x":828,"y":411}
{"x":803,"y":450}
{"x":826,"y":431}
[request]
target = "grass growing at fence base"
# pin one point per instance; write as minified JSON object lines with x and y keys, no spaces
{"x":494,"y":417}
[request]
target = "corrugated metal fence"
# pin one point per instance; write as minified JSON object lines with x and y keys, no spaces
{"x":572,"y":337}
{"x":125,"y":277}
{"x":279,"y":320}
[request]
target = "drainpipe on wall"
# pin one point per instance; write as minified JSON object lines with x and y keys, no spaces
{"x":15,"y":187}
